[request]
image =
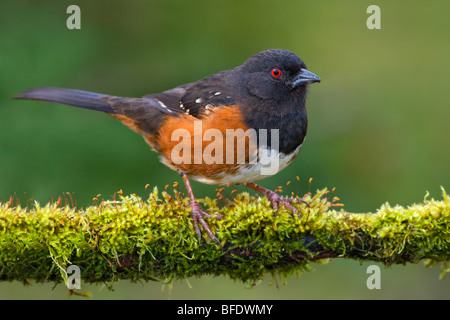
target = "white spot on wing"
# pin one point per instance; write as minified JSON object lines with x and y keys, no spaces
{"x":163,"y":105}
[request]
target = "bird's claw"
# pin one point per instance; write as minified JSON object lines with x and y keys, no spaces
{"x":277,"y":200}
{"x":198,"y":216}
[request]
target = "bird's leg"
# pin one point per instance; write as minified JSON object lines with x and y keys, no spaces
{"x":275,"y":199}
{"x":197,"y":213}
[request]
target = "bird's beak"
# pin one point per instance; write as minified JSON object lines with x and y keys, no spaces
{"x":305,"y":77}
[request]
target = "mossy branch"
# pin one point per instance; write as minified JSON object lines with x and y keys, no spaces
{"x":135,"y":239}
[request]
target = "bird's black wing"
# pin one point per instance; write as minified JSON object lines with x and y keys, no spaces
{"x":168,"y":101}
{"x":205,"y":95}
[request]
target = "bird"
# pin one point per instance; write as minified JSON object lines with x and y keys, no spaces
{"x":233,"y":127}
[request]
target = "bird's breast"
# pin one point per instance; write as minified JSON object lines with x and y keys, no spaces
{"x":221,"y":147}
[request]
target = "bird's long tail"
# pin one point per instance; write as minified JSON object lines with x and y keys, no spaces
{"x":76,"y":98}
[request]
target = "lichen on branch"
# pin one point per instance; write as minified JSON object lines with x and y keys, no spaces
{"x":154,"y":239}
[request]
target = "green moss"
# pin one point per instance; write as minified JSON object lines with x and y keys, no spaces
{"x":136,"y":239}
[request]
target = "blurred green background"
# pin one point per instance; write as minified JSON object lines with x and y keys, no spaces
{"x":378,"y":122}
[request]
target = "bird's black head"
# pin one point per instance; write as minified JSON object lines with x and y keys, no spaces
{"x":276,"y":74}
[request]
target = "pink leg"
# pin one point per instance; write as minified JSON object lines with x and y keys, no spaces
{"x":275,"y":199}
{"x":197,"y":213}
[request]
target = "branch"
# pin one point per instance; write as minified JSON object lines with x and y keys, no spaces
{"x":153,"y":239}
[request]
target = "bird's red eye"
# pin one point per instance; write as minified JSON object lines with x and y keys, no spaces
{"x":276,"y":73}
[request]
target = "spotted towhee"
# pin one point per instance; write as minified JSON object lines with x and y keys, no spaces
{"x":233,"y":127}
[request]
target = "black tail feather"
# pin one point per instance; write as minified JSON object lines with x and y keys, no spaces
{"x":76,"y":98}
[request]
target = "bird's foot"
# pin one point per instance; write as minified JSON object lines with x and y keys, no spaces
{"x":198,"y":215}
{"x":277,"y":200}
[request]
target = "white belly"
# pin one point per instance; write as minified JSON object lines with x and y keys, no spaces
{"x":252,"y":172}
